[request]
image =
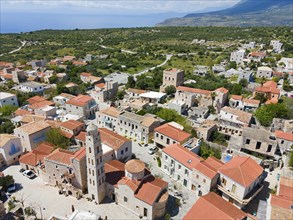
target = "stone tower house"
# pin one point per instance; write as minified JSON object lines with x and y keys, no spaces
{"x":95,"y":164}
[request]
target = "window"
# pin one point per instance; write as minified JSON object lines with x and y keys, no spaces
{"x":185,"y":182}
{"x":197,"y":176}
{"x":282,"y":142}
{"x":179,"y":166}
{"x":122,"y":152}
{"x":204,"y":180}
{"x":89,"y":171}
{"x":186,"y":172}
{"x":247,"y":141}
{"x":93,"y":172}
{"x":269,"y":148}
{"x":126,"y":149}
{"x":157,"y":135}
{"x":224,"y":181}
{"x":178,"y":177}
{"x":258,"y":144}
{"x":166,"y":157}
{"x":162,"y":137}
{"x":125,"y":199}
{"x":168,"y":141}
{"x":233,"y":188}
{"x":90,"y":150}
{"x":93,"y":182}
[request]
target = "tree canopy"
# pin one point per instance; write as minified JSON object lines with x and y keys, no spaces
{"x":55,"y":137}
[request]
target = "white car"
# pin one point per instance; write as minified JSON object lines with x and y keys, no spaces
{"x":29,"y":174}
{"x":152,"y":150}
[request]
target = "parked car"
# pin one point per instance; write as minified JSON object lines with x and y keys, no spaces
{"x":29,"y":174}
{"x":152,"y":150}
{"x":11,"y":188}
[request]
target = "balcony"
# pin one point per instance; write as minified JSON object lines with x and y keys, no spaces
{"x":247,"y":198}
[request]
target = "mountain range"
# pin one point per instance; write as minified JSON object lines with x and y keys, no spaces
{"x":246,"y":13}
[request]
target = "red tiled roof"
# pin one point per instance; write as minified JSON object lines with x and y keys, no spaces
{"x":35,"y":156}
{"x":85,"y":74}
{"x":21,"y":112}
{"x":252,"y":101}
{"x":111,"y":139}
{"x":172,"y":132}
{"x":114,"y":170}
{"x":243,"y":170}
{"x":80,"y":100}
{"x":269,"y":86}
{"x":236,"y":97}
{"x":281,"y":201}
{"x":214,"y":163}
{"x":132,"y":184}
{"x":71,"y":124}
{"x":41,"y":104}
{"x":182,"y":155}
{"x":193,"y":90}
{"x":35,"y":99}
{"x":81,"y":136}
{"x":137,"y":91}
{"x":205,"y":169}
{"x":222,"y":90}
{"x":64,"y":156}
{"x":66,"y":134}
{"x":78,"y":62}
{"x":100,"y":85}
{"x":284,"y":135}
{"x":212,"y":206}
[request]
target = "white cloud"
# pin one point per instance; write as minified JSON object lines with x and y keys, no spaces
{"x":98,"y":6}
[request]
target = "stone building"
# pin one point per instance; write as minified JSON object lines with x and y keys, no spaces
{"x":172,"y":77}
{"x":10,"y":149}
{"x":8,"y":99}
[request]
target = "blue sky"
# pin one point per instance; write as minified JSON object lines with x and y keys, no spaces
{"x":29,"y":15}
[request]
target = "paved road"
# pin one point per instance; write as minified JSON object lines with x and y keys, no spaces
{"x":13,"y":51}
{"x":47,"y":202}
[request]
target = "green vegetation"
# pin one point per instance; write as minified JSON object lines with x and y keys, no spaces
{"x":218,"y":138}
{"x":170,"y":90}
{"x":266,"y":113}
{"x":7,"y":110}
{"x":6,"y":181}
{"x":208,"y":151}
{"x":291,"y":158}
{"x":55,"y":137}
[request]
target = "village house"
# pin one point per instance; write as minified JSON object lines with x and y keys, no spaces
{"x":37,"y":63}
{"x":241,"y":180}
{"x":130,"y":185}
{"x":244,"y":104}
{"x":8,"y":99}
{"x":108,"y":118}
{"x":137,"y":127}
{"x":71,"y":128}
{"x":32,"y":134}
{"x":231,"y":121}
{"x":153,"y":97}
{"x":246,"y":74}
{"x":192,"y":171}
{"x":218,"y":68}
{"x":34,"y":160}
{"x":250,"y":45}
{"x":82,"y":105}
{"x":260,"y":141}
{"x":178,"y":106}
{"x":103,"y":92}
{"x":237,"y":56}
{"x":199,"y":112}
{"x":66,"y":170}
{"x":257,"y":56}
{"x":280,"y":203}
{"x":120,"y":78}
{"x":89,"y":78}
{"x":277,"y":46}
{"x":212,"y":206}
{"x":285,"y":140}
{"x":205,"y":130}
{"x":269,"y":90}
{"x":172,"y":77}
{"x":39,"y":105}
{"x":200,"y":70}
{"x":170,"y":133}
{"x":134,"y":93}
{"x":18,"y":76}
{"x":61,"y":99}
{"x":10,"y":149}
{"x":264,"y":72}
{"x":30,"y":87}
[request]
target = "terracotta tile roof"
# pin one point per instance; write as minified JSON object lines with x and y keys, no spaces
{"x":53,"y":123}
{"x":114,"y":112}
{"x":66,"y":134}
{"x":268,"y":87}
{"x":183,"y":155}
{"x":257,"y":54}
{"x":85,"y":74}
{"x":81,"y":136}
{"x":34,"y":127}
{"x":222,"y":90}
{"x":41,"y":104}
{"x":236,"y":97}
{"x":172,"y":132}
{"x":112,"y":139}
{"x":66,"y":95}
{"x":68,"y":58}
{"x":205,"y":169}
{"x":114,"y":170}
{"x":136,"y":91}
{"x":6,"y":76}
{"x":272,"y":101}
{"x":79,"y":63}
{"x":212,"y":206}
{"x":193,"y":90}
{"x":71,"y":124}
{"x":286,"y":187}
{"x":243,"y":170}
{"x":100,"y":85}
{"x":35,"y":99}
{"x":32,"y":118}
{"x":252,"y":101}
{"x":71,"y":84}
{"x":38,"y":154}
{"x":243,"y":116}
{"x":132,"y":184}
{"x":80,"y":100}
{"x":214,"y":163}
{"x":21,"y":112}
{"x":148,"y":121}
{"x":64,"y":156}
{"x":135,"y":166}
{"x":150,"y":190}
{"x":4,"y":138}
{"x":5,"y":64}
{"x":281,"y":201}
{"x":284,"y":135}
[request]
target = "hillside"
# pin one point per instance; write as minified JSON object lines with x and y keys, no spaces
{"x":244,"y":14}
